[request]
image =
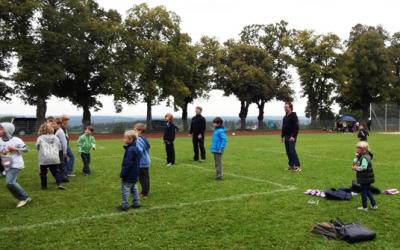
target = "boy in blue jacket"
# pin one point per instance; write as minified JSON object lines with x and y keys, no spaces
{"x":144,"y":164}
{"x":130,"y":171}
{"x":218,"y":146}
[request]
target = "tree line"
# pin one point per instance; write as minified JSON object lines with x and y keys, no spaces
{"x":78,"y":51}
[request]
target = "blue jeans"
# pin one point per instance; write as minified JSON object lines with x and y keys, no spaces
{"x":365,"y":194}
{"x":16,"y":190}
{"x":86,"y":163}
{"x":69,"y":165}
{"x":126,"y":188}
{"x":290,"y":147}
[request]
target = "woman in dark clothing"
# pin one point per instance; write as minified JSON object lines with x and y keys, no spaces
{"x":169,"y":138}
{"x":290,"y":130}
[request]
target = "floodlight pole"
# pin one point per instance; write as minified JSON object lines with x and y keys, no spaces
{"x":386,"y":117}
{"x":370,"y":111}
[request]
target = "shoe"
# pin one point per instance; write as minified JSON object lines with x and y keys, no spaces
{"x":135,"y":206}
{"x":218,"y":178}
{"x":202,"y":160}
{"x":61,"y":187}
{"x":71,"y":175}
{"x":142,"y":196}
{"x":85,"y":175}
{"x":363,"y":209}
{"x":375,"y":207}
{"x":24,"y":202}
{"x":122,"y":209}
{"x":170,"y":165}
{"x":289,"y":168}
{"x":297,"y":169}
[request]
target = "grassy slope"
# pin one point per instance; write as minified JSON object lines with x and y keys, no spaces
{"x":276,"y":220}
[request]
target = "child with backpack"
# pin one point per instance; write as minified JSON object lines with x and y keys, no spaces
{"x":144,"y":162}
{"x":86,"y":142}
{"x":362,"y":165}
{"x":49,"y":146}
{"x":169,"y":138}
{"x":218,"y":145}
{"x":11,"y":150}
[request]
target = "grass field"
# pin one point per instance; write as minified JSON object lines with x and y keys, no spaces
{"x":259,"y":205}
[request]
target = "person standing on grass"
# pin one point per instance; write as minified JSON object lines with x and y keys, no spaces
{"x":363,"y":133}
{"x":69,"y":165}
{"x":48,"y":146}
{"x":130,"y":171}
{"x":11,"y":150}
{"x":56,"y":124}
{"x":362,"y":165}
{"x":218,"y":145}
{"x":290,"y":130}
{"x":86,"y":143}
{"x":144,"y":162}
{"x":169,"y":138}
{"x":197,"y":130}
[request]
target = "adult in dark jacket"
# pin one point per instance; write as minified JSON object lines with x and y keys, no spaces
{"x":197,"y":130}
{"x":169,"y":138}
{"x":290,"y":130}
{"x":130,"y":171}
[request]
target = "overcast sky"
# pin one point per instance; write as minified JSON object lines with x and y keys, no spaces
{"x":224,"y":19}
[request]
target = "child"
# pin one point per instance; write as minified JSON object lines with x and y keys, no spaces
{"x":130,"y":171}
{"x":363,"y":133}
{"x":362,"y":164}
{"x":49,"y":146}
{"x":56,"y":124}
{"x":86,"y":142}
{"x":218,"y":146}
{"x":69,"y":165}
{"x":144,"y":164}
{"x":11,"y":149}
{"x":169,"y":138}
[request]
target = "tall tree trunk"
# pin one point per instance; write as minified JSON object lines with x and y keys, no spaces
{"x":365,"y":114}
{"x":185,"y":116}
{"x":41,"y":109}
{"x":261,"y":123}
{"x":149,"y":117}
{"x":87,"y":117}
{"x":244,"y":109}
{"x":313,"y":114}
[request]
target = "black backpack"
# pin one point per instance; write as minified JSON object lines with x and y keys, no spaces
{"x":353,"y":233}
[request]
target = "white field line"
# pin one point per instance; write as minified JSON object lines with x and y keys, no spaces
{"x":117,"y":214}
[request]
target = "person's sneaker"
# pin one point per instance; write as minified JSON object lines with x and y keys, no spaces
{"x":363,"y":209}
{"x":289,"y":168}
{"x":218,"y":178}
{"x":297,"y":169}
{"x":170,"y":165}
{"x":71,"y":175}
{"x":375,"y":207}
{"x":24,"y":202}
{"x":85,"y":175}
{"x":202,"y":160}
{"x":61,"y":187}
{"x":135,"y":206}
{"x":122,"y":209}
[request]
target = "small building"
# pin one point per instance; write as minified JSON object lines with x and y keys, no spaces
{"x":23,"y":125}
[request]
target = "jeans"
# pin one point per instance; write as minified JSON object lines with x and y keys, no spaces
{"x":144,"y":179}
{"x":218,"y":164}
{"x":86,"y":163}
{"x":63,"y":174}
{"x":198,"y":144}
{"x":290,"y":147}
{"x":69,"y":165}
{"x":170,"y":149}
{"x":365,"y":194}
{"x":55,"y":171}
{"x":16,"y":190}
{"x":126,"y":188}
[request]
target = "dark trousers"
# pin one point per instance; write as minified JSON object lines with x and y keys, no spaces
{"x":61,"y":167}
{"x":86,"y":163}
{"x":170,"y":149}
{"x":290,"y":147}
{"x":144,"y":179}
{"x":198,"y":144}
{"x":365,"y":194}
{"x":55,"y":171}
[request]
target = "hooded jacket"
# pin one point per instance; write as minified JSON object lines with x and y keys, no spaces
{"x":130,"y":164}
{"x":9,"y":140}
{"x":219,"y":140}
{"x":49,"y":147}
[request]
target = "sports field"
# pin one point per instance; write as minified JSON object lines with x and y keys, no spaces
{"x":259,"y":205}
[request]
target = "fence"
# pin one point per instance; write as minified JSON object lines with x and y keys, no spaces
{"x":385,"y":117}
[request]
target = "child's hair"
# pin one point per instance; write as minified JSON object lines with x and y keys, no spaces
{"x":290,"y":105}
{"x":363,"y":145}
{"x":90,"y":128}
{"x":140,"y":127}
{"x":58,"y":121}
{"x":46,"y":129}
{"x":199,"y":108}
{"x":50,"y":119}
{"x":218,"y":120}
{"x":169,"y":116}
{"x":131,"y":134}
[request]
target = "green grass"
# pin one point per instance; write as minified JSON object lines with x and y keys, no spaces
{"x":187,"y":209}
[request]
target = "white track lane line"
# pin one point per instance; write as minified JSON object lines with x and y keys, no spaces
{"x":117,"y":214}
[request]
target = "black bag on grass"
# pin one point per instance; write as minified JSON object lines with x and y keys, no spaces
{"x":356,"y":188}
{"x":337,"y":194}
{"x":353,"y":233}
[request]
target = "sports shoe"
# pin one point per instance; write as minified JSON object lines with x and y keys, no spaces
{"x":71,"y":175}
{"x":122,"y":209}
{"x":363,"y":209}
{"x":24,"y":202}
{"x":375,"y":207}
{"x":135,"y":206}
{"x":297,"y":169}
{"x":289,"y":168}
{"x":202,"y":160}
{"x":61,"y":187}
{"x":218,"y":178}
{"x":170,"y":165}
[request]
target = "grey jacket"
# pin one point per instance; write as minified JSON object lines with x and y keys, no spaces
{"x":63,"y":140}
{"x":49,"y":147}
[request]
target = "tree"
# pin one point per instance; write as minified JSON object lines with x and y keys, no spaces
{"x":5,"y":51}
{"x":367,"y":68}
{"x":315,"y":57}
{"x":395,"y":57}
{"x":274,"y":39}
{"x":152,"y":36}
{"x":91,"y":37}
{"x":242,"y":71}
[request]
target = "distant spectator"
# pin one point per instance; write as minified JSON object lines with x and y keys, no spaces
{"x":169,"y":138}
{"x":197,"y":130}
{"x":363,"y":133}
{"x":290,"y":130}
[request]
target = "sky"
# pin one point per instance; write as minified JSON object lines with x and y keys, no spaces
{"x":224,"y":19}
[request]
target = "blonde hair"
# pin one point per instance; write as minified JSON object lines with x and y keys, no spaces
{"x":46,"y":129}
{"x":139,"y":127}
{"x":169,"y":116}
{"x":131,"y":134}
{"x":363,"y":145}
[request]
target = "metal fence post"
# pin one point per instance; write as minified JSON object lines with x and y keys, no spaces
{"x":386,"y":117}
